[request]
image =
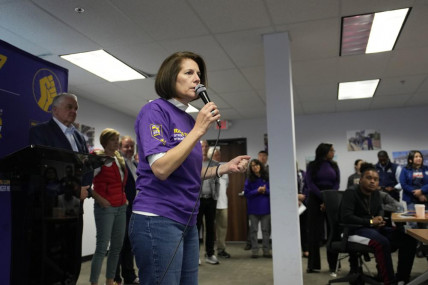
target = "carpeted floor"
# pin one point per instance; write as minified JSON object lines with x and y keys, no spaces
{"x":242,"y":269}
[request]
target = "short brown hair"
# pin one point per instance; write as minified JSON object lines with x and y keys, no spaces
{"x":107,"y":134}
{"x":168,"y":71}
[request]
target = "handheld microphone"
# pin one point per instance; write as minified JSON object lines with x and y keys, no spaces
{"x":201,"y":91}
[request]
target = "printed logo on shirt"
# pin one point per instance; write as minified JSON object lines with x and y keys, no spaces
{"x":156,"y":131}
{"x":418,"y":174}
{"x":179,"y":135}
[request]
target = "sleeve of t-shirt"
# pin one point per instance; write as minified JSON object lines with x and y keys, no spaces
{"x":154,"y":130}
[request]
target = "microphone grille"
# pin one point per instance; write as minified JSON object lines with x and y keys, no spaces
{"x":200,"y":88}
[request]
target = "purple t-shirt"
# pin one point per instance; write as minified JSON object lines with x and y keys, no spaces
{"x":159,"y":127}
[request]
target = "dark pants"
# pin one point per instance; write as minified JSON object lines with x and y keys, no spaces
{"x":303,"y":231}
{"x":207,"y":208}
{"x":126,"y":258}
{"x":386,"y":240}
{"x":78,"y":254}
{"x":315,"y":224}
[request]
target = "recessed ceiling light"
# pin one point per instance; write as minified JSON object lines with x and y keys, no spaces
{"x":357,"y":89}
{"x":104,"y":65}
{"x":385,"y":30}
{"x":79,"y":10}
{"x":370,"y":33}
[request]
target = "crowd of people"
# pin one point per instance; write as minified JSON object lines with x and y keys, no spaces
{"x":373,"y":192}
{"x":162,"y":208}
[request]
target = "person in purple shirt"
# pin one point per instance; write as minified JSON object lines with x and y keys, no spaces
{"x":257,"y":192}
{"x":322,"y":174}
{"x":162,"y":229}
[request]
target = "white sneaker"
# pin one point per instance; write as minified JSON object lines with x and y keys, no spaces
{"x":333,"y":274}
{"x":211,"y":259}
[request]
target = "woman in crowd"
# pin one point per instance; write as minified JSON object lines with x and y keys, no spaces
{"x":414,"y":180}
{"x":109,"y":207}
{"x":162,"y":229}
{"x":354,"y":179}
{"x":257,"y":192}
{"x":322,"y":174}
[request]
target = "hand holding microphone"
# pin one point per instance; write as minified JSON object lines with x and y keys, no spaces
{"x":201,"y":91}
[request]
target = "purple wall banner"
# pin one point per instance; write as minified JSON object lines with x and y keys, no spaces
{"x":28,"y":85}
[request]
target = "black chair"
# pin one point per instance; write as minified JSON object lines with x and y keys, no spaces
{"x":337,"y":240}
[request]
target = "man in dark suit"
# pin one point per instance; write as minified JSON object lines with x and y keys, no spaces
{"x":126,"y":259}
{"x":59,"y":132}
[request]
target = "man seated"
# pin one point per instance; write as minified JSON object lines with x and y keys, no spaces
{"x":363,"y":206}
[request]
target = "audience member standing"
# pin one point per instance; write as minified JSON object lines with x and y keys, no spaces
{"x":322,"y":174}
{"x":207,"y":207}
{"x":262,"y":156}
{"x":60,"y":132}
{"x":389,"y":175}
{"x":109,"y":208}
{"x":354,"y":179}
{"x":258,"y":206}
{"x":126,"y":258}
{"x":221,"y":212}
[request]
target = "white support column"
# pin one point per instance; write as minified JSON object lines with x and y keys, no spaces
{"x":287,"y":265}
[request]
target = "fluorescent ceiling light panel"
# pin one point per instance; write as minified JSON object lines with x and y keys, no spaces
{"x":103,"y":65}
{"x":371,"y":33}
{"x":385,"y":29}
{"x":357,"y":89}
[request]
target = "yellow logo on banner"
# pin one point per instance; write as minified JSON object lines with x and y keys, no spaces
{"x":3,"y":59}
{"x":47,"y":92}
{"x":46,"y":86}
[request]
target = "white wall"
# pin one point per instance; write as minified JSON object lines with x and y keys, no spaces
{"x":401,"y":129}
{"x":99,"y":117}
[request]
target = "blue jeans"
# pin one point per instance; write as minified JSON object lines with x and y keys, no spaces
{"x":111,"y":224}
{"x":154,"y":241}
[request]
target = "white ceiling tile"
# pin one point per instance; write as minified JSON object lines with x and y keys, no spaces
{"x":284,"y":12}
{"x":383,"y":102}
{"x":245,"y":48}
{"x":363,"y":67}
{"x":326,"y":33}
{"x":315,"y":71}
{"x":399,"y":85}
{"x":214,"y":56}
{"x":226,"y":16}
{"x":408,"y":62}
{"x":166,"y":19}
{"x":316,"y":92}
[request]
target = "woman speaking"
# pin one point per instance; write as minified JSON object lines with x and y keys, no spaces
{"x":169,"y":174}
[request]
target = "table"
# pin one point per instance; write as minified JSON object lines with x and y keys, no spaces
{"x":408,"y":217}
{"x":421,"y":235}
